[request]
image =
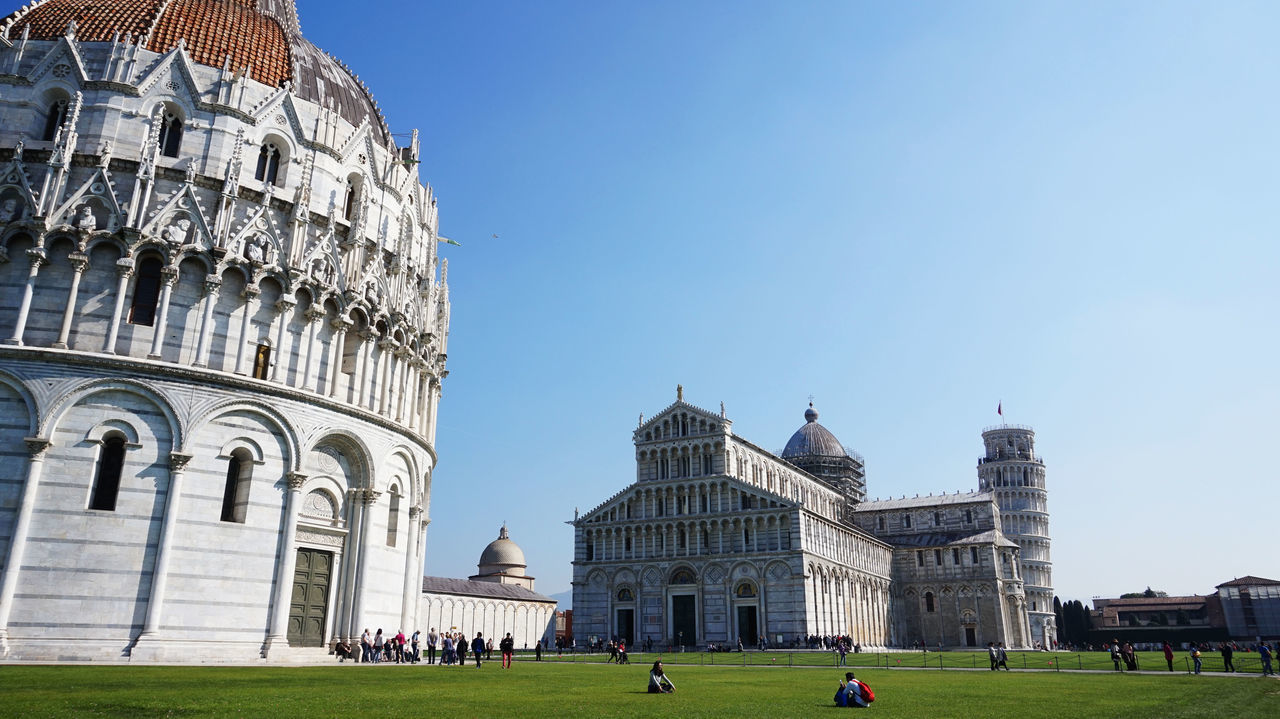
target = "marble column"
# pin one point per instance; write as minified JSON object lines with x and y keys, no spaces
{"x":18,"y":539}
{"x":285,"y":308}
{"x":246,"y":313}
{"x":412,"y":578}
{"x":350,"y":561}
{"x":357,"y":378}
{"x":37,"y":258}
{"x":169,"y":277}
{"x":367,"y":499}
{"x":314,"y":314}
{"x":212,"y":283}
{"x":164,"y":547}
{"x":337,"y":347}
{"x":286,"y":563}
{"x":386,"y":358}
{"x":124,"y":268}
{"x":79,"y":263}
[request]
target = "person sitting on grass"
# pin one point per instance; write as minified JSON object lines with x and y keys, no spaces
{"x":853,"y":693}
{"x":658,"y":681}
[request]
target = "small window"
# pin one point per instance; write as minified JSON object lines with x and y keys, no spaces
{"x":937,"y":557}
{"x":919,"y":557}
{"x":57,"y":115}
{"x":746,"y":538}
{"x":928,"y":602}
{"x":702,"y":502}
{"x":968,"y":516}
{"x":627,"y":542}
{"x":973,"y":555}
{"x":349,"y":203}
{"x":906,"y":521}
{"x":680,"y":540}
{"x":591,"y":551}
{"x":937,"y":519}
{"x":880,"y":522}
{"x":706,"y":464}
{"x":685,"y":469}
{"x":261,"y":361}
{"x":268,"y":163}
{"x":393,"y":518}
{"x":170,"y":135}
{"x":146,"y":293}
{"x":106,"y":482}
{"x":235,"y":491}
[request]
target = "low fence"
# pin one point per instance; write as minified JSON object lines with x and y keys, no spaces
{"x":1245,"y":662}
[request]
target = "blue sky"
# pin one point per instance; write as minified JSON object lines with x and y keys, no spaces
{"x":911,"y":211}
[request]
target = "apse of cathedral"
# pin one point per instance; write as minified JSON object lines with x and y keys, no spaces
{"x":224,"y":338}
{"x":719,"y":541}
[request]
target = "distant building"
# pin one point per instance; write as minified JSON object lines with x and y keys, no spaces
{"x":1252,"y":607}
{"x":497,"y":600}
{"x":718,"y":540}
{"x":1152,"y":620}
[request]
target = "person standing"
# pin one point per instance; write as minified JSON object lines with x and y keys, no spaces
{"x":993,"y":656}
{"x":446,"y":658}
{"x":415,"y":646}
{"x":1264,"y":652}
{"x":537,"y":651}
{"x":840,"y":650}
{"x":378,"y":642}
{"x":1115,"y":653}
{"x":366,"y":642}
{"x":477,"y":647}
{"x":508,"y":647}
{"x":398,"y":646}
{"x":460,"y":648}
{"x":432,"y":638}
{"x":1168,"y":655}
{"x":1195,"y":657}
{"x":1002,"y":659}
{"x":1227,"y":653}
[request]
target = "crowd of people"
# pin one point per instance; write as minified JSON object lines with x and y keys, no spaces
{"x":454,"y":648}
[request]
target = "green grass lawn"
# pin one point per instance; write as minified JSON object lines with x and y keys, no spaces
{"x":563,"y":690}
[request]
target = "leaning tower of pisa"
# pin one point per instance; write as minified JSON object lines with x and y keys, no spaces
{"x":1011,"y":470}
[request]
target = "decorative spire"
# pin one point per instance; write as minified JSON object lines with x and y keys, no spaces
{"x":502,"y":533}
{"x":679,"y":393}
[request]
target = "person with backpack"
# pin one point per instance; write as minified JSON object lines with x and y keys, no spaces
{"x":854,"y":694}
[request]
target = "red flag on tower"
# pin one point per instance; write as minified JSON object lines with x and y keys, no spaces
{"x":1000,"y":408}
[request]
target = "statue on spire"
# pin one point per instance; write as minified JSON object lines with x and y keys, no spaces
{"x":679,"y":393}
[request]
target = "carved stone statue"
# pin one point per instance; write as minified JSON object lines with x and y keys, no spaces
{"x":9,"y":211}
{"x":177,"y":232}
{"x":85,"y":220}
{"x":253,"y":250}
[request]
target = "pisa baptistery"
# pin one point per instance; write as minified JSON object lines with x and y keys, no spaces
{"x":224,"y":326}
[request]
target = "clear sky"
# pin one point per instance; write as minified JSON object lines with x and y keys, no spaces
{"x":911,"y":211}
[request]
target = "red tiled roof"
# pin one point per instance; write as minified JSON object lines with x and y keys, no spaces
{"x":96,"y":20}
{"x":215,"y":29}
{"x":1250,"y":581}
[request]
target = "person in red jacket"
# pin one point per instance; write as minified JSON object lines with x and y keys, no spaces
{"x":1168,"y":655}
{"x":508,"y":647}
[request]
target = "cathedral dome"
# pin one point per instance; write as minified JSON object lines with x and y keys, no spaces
{"x":501,"y":553}
{"x":260,"y":37}
{"x":813,"y":439}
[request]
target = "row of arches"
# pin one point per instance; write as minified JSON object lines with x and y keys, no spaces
{"x":681,"y":424}
{"x":844,"y":547}
{"x":753,"y":534}
{"x":185,"y":315}
{"x":527,"y":622}
{"x":849,"y":603}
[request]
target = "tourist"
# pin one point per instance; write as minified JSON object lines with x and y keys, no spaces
{"x":1115,"y":653}
{"x":414,"y":644}
{"x":853,"y":693}
{"x":447,"y":657}
{"x":1002,"y":659}
{"x":1168,"y":655}
{"x":343,"y":650}
{"x":397,"y":646}
{"x":477,"y":647}
{"x":1195,"y":657}
{"x":1227,"y":653}
{"x":537,"y":651}
{"x":1264,"y":652}
{"x":659,"y":683}
{"x":1130,"y":659}
{"x":993,"y":656}
{"x":508,"y":648}
{"x":366,"y":647}
{"x":432,"y":638}
{"x":840,"y":650}
{"x":460,"y":648}
{"x":378,"y":641}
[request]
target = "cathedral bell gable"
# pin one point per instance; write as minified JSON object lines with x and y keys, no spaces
{"x":681,"y":419}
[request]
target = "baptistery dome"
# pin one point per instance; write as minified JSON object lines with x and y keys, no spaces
{"x":224,"y":337}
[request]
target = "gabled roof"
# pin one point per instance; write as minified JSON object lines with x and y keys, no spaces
{"x":948,"y":539}
{"x":681,"y":404}
{"x":490,"y":590}
{"x":1250,"y":581}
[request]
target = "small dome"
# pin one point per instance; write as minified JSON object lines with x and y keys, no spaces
{"x":502,"y":552}
{"x":813,"y":439}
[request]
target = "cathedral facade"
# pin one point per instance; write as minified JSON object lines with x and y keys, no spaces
{"x":224,"y":337}
{"x":720,"y":541}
